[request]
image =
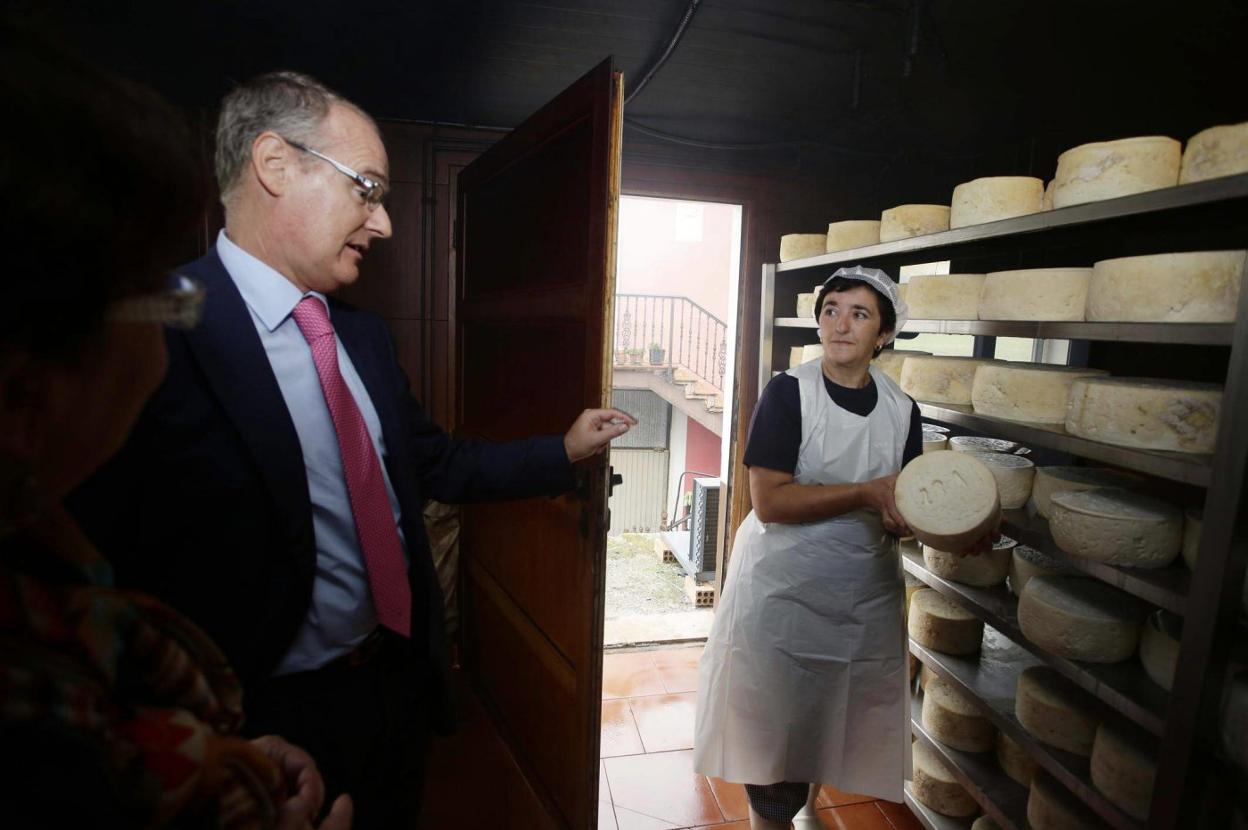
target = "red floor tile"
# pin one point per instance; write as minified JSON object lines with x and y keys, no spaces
{"x":678,"y":668}
{"x":663,"y":787}
{"x":630,"y":674}
{"x":732,"y":800}
{"x":733,"y":825}
{"x":899,"y":815}
{"x":864,"y":816}
{"x":665,"y":722}
{"x":832,"y":797}
{"x":632,"y":820}
{"x":619,"y":730}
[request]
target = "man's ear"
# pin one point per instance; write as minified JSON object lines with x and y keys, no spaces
{"x":271,"y":162}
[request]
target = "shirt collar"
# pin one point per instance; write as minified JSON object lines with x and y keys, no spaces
{"x":267,"y":293}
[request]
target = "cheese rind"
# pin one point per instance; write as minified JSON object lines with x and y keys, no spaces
{"x":1056,"y":711}
{"x":805,"y":306}
{"x":984,"y":823}
{"x":1159,"y":647}
{"x":935,"y":787}
{"x":905,"y":221}
{"x":1178,"y":416}
{"x":940,"y":625}
{"x":940,"y":379}
{"x":1013,"y":474}
{"x":802,"y":245}
{"x":1108,"y":169}
{"x":1014,"y":760}
{"x":953,"y":720}
{"x":1194,"y":287}
{"x":926,"y":676}
{"x":1035,"y":294}
{"x":1116,"y":526}
{"x":1027,"y":563}
{"x":993,"y":198}
{"x":1215,"y":152}
{"x":855,"y":233}
{"x":945,"y":296}
{"x":890,"y":362}
{"x":1192,"y":521}
{"x":813,"y":351}
{"x":1031,"y":392}
{"x":934,"y":442}
{"x":982,"y":569}
{"x":1051,"y":480}
{"x":1052,"y":807}
{"x":795,"y":356}
{"x":948,"y":499}
{"x":1123,"y":767}
{"x":980,"y":444}
{"x":1080,"y":619}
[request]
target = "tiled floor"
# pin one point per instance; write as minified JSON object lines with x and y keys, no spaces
{"x":647,"y":780}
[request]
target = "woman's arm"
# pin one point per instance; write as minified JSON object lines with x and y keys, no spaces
{"x":778,"y":498}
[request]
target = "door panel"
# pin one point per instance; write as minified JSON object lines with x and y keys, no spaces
{"x":534,"y":286}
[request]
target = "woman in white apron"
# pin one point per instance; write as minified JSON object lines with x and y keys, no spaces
{"x":803,"y":680}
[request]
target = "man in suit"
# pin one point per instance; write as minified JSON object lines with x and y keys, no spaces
{"x":273,"y":487}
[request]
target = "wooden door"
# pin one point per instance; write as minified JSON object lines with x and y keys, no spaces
{"x":535,"y":255}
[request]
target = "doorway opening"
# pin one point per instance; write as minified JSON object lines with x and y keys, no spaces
{"x":677,"y":270}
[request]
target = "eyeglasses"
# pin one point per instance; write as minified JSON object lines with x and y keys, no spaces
{"x":178,"y":306}
{"x":374,"y":193}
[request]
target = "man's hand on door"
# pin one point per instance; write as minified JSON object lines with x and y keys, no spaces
{"x":594,"y":430}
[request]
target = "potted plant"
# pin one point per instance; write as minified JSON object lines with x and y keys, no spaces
{"x":634,"y":356}
{"x":656,"y":354}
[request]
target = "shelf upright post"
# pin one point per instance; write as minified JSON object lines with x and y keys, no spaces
{"x":766,"y":325}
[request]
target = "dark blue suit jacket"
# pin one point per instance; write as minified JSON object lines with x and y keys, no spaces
{"x":207,"y":505}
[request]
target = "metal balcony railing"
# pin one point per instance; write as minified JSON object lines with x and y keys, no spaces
{"x":672,"y":332}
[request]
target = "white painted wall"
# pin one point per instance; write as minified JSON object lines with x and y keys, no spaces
{"x":676,"y":459}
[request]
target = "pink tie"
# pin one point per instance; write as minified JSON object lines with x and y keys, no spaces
{"x":374,"y":521}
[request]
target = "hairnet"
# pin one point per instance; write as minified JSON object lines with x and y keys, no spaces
{"x":882,"y":283}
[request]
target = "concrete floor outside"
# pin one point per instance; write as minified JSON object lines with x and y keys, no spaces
{"x":646,"y":599}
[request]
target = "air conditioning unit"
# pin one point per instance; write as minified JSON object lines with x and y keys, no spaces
{"x":704,"y":529}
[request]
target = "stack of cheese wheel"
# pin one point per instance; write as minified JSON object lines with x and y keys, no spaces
{"x":952,"y":718}
{"x":934,"y":441}
{"x":905,"y":221}
{"x":802,"y":245}
{"x":1123,"y":767}
{"x":1195,"y":287}
{"x":1056,"y":711}
{"x":1013,"y":473}
{"x":1028,"y":562}
{"x":1080,"y":619}
{"x":856,"y":233}
{"x":1035,"y":294}
{"x":1014,"y":760}
{"x":890,"y":362}
{"x":1035,"y":393}
{"x":983,"y":569}
{"x":1192,"y":520}
{"x":1051,"y":480}
{"x":1108,"y":169}
{"x":980,"y":444}
{"x":1159,"y":647}
{"x":941,"y":379}
{"x":935,"y":787}
{"x":945,"y":296}
{"x":1174,"y":415}
{"x":993,"y":198}
{"x":1215,"y":152}
{"x":948,"y":499}
{"x":1116,"y":526}
{"x":939,"y":624}
{"x":1052,"y":807}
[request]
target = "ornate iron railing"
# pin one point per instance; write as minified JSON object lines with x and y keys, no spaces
{"x":673,"y":332}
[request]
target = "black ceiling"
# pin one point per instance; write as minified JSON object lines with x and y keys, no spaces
{"x":852,"y":79}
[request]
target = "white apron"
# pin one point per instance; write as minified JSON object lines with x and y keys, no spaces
{"x":804,"y":675}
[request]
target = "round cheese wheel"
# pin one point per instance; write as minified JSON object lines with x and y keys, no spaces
{"x":802,"y":245}
{"x":941,"y":625}
{"x":1036,"y":294}
{"x":935,"y":787}
{"x":913,"y":583}
{"x":1048,"y":195}
{"x":995,"y":197}
{"x":945,"y":296}
{"x":1180,"y":416}
{"x":1196,"y":287}
{"x":1032,"y":392}
{"x":1056,"y":711}
{"x":905,"y":221}
{"x":1116,"y":526}
{"x":1050,"y":480}
{"x":890,"y":362}
{"x":1014,"y":760}
{"x":980,"y":444}
{"x":926,"y":676}
{"x":795,"y":356}
{"x":1013,"y":473}
{"x":1026,"y":563}
{"x":1080,"y":619}
{"x":943,"y":430}
{"x":934,"y":441}
{"x":1052,"y":807}
{"x":814,"y":351}
{"x":856,"y":233}
{"x":805,"y":305}
{"x":984,"y":823}
{"x":940,"y":379}
{"x":948,"y":499}
{"x":1124,"y":764}
{"x":952,"y":718}
{"x":1108,"y":169}
{"x":983,"y":569}
{"x":1191,"y":536}
{"x":1159,"y":646}
{"x":1215,"y":152}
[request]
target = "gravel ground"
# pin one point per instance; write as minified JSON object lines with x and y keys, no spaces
{"x":638,"y":582}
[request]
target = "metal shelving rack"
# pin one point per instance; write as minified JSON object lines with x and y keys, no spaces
{"x":1203,"y":216}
